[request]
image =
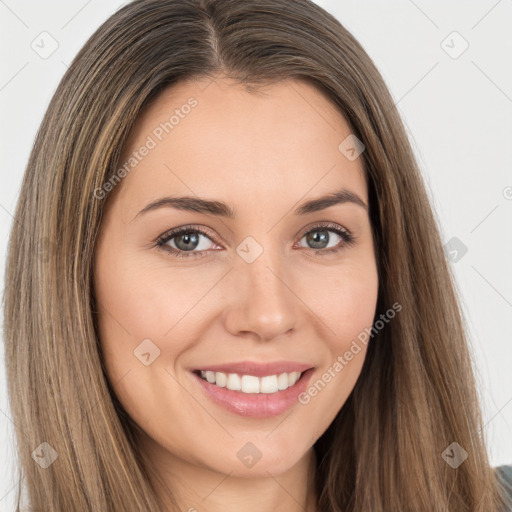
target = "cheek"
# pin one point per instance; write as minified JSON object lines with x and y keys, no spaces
{"x":138,"y":302}
{"x":345,"y":299}
{"x":141,"y":312}
{"x":346,"y":302}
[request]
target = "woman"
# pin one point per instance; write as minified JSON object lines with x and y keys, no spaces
{"x":245,"y":297}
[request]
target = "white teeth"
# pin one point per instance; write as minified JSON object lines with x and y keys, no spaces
{"x":220,"y":379}
{"x":234,"y":382}
{"x":282,"y":381}
{"x":250,"y":383}
{"x":269,"y":384}
{"x":293,"y":378}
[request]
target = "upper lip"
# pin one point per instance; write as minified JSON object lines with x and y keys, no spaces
{"x":258,"y":369}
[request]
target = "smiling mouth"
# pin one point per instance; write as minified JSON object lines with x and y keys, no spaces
{"x":251,"y":384}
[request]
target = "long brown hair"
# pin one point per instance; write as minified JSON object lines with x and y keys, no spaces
{"x":416,"y":393}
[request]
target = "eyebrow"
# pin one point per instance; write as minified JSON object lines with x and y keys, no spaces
{"x":213,"y":207}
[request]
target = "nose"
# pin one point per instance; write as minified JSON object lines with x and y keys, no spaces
{"x":261,"y":300}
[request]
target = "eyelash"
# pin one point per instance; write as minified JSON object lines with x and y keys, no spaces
{"x":346,"y":236}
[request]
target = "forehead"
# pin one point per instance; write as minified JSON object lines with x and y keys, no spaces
{"x":211,"y":136}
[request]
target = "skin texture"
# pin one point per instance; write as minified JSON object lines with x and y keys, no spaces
{"x":264,"y":154}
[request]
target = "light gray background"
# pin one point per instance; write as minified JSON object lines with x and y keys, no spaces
{"x":458,"y":112}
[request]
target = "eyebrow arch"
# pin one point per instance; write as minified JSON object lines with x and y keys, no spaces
{"x":196,"y":204}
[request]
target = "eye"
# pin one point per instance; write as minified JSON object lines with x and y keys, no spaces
{"x":193,"y":242}
{"x":319,"y":238}
{"x":185,"y":242}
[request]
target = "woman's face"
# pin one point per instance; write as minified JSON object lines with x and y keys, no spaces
{"x":274,"y":283}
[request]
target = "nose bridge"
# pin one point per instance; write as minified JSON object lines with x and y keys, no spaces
{"x":263,"y":302}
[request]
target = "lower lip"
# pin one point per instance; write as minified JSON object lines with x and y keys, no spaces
{"x":256,"y":405}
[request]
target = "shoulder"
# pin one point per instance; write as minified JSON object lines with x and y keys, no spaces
{"x":504,"y":474}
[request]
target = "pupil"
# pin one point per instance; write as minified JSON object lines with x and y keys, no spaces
{"x":318,"y":237}
{"x":187,"y":239}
